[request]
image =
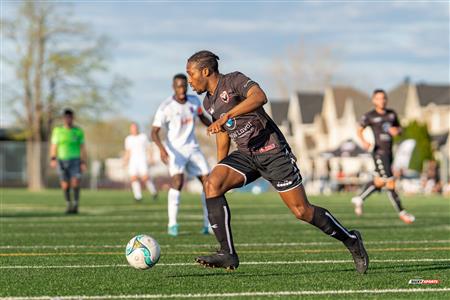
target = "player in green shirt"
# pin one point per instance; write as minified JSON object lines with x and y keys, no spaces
{"x":68,"y":152}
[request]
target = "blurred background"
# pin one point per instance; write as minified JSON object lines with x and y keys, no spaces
{"x":318,"y":63}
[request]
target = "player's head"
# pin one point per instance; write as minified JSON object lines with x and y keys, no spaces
{"x":379,"y":98}
{"x":180,"y":86}
{"x":68,"y":116}
{"x":199,"y":67}
{"x":134,"y":128}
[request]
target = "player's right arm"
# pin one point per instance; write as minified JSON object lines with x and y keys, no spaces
{"x":54,"y":148}
{"x":157,"y":140}
{"x":223,"y":145}
{"x":363,"y":124}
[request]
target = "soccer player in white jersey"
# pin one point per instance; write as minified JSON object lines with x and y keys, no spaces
{"x":181,"y":151}
{"x":136,"y":147}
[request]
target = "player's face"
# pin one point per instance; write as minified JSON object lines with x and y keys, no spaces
{"x":180,"y":88}
{"x":379,"y":100}
{"x":196,"y":79}
{"x":68,"y":120}
{"x":134,"y":129}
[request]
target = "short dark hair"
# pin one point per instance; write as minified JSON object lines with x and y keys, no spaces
{"x":180,"y":76}
{"x":68,"y":112}
{"x":379,"y":91}
{"x":206,"y":59}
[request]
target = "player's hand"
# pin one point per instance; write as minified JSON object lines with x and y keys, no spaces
{"x":83,"y":167}
{"x":366,"y":146}
{"x":164,"y":156}
{"x":216,"y":126}
{"x":53,"y":163}
{"x":394,"y":131}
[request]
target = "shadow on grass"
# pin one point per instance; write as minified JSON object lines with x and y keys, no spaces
{"x":413,"y":268}
{"x":33,"y":214}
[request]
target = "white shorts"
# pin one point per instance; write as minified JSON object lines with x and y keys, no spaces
{"x":138,"y":168}
{"x":191,"y":161}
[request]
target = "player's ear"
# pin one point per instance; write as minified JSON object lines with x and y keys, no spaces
{"x":205,"y":72}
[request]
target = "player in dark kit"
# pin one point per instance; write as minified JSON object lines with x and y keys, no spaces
{"x":236,"y":105}
{"x":385,"y":126}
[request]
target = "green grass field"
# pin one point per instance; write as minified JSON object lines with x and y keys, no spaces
{"x":46,"y":254}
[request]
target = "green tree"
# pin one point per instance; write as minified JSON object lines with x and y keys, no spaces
{"x":423,"y":151}
{"x":58,"y":62}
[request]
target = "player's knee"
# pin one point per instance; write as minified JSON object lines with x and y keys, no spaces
{"x":303,"y":213}
{"x":213,"y":186}
{"x":378,"y":182}
{"x":65,"y":185}
{"x":390,"y":185}
{"x":177,"y":183}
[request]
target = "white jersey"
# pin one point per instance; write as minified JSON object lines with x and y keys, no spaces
{"x":179,"y":121}
{"x":137,"y":145}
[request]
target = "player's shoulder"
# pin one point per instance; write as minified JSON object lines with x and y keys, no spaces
{"x":370,"y":113}
{"x":166,"y":103}
{"x":233,"y":75}
{"x":390,"y":111}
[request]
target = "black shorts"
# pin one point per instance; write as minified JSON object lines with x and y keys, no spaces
{"x":69,"y":169}
{"x":279,"y":168}
{"x":383,"y":165}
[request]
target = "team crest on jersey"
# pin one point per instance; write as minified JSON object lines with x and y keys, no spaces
{"x":224,"y":97}
{"x":230,"y":124}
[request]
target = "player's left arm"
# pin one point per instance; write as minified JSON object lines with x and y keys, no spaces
{"x":396,"y":128}
{"x":255,"y":99}
{"x":83,"y":154}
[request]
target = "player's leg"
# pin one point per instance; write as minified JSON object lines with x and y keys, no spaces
{"x":296,"y":200}
{"x":371,"y":187}
{"x":133,"y":172}
{"x":75,"y":180}
{"x":396,"y":202}
{"x":143,"y":173}
{"x":173,"y":203}
{"x":281,"y":171}
{"x":198,"y":166}
{"x":235,"y":170}
{"x":64,"y":180}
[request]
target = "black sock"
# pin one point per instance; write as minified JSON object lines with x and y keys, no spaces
{"x":219,"y":217}
{"x":67,"y":194}
{"x":76,"y":194}
{"x":325,"y":221}
{"x":368,"y":189}
{"x":395,"y":200}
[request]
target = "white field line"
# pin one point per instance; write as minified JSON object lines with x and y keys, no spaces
{"x":242,"y":294}
{"x":294,"y":262}
{"x":237,"y":245}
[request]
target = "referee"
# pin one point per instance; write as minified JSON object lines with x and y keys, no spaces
{"x":68,"y":153}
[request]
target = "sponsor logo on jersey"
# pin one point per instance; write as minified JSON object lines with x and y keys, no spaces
{"x":377,"y":119}
{"x":246,"y":129}
{"x":225,"y":97}
{"x":385,"y":126}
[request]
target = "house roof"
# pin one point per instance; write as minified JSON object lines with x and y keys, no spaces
{"x":437,"y":94}
{"x":279,"y":111}
{"x":310,"y":105}
{"x":397,"y":99}
{"x":361,"y":100}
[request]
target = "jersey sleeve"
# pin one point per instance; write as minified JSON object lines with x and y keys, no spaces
{"x":364,"y":122}
{"x":159,"y":118}
{"x":81,"y":137}
{"x":241,"y":84}
{"x":54,"y":138}
{"x":395,"y":122}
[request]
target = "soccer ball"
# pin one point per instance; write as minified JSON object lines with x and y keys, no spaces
{"x":142,"y":252}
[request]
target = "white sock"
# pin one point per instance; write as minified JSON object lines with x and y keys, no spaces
{"x":172,"y":205}
{"x":136,"y":188}
{"x":205,"y":211}
{"x":151,"y":187}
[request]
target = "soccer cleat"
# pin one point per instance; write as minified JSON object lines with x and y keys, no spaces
{"x":68,"y":207}
{"x":358,"y":202}
{"x":406,"y":217}
{"x":155,"y":197}
{"x":220,"y":259}
{"x":74,"y":209}
{"x":359,"y":253}
{"x":173,"y":230}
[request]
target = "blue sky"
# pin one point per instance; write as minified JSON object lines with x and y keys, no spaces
{"x":374,"y":44}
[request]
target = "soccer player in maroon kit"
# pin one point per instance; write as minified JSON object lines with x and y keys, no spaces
{"x":235,"y":103}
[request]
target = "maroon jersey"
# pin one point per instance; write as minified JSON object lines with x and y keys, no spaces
{"x":254,"y":132}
